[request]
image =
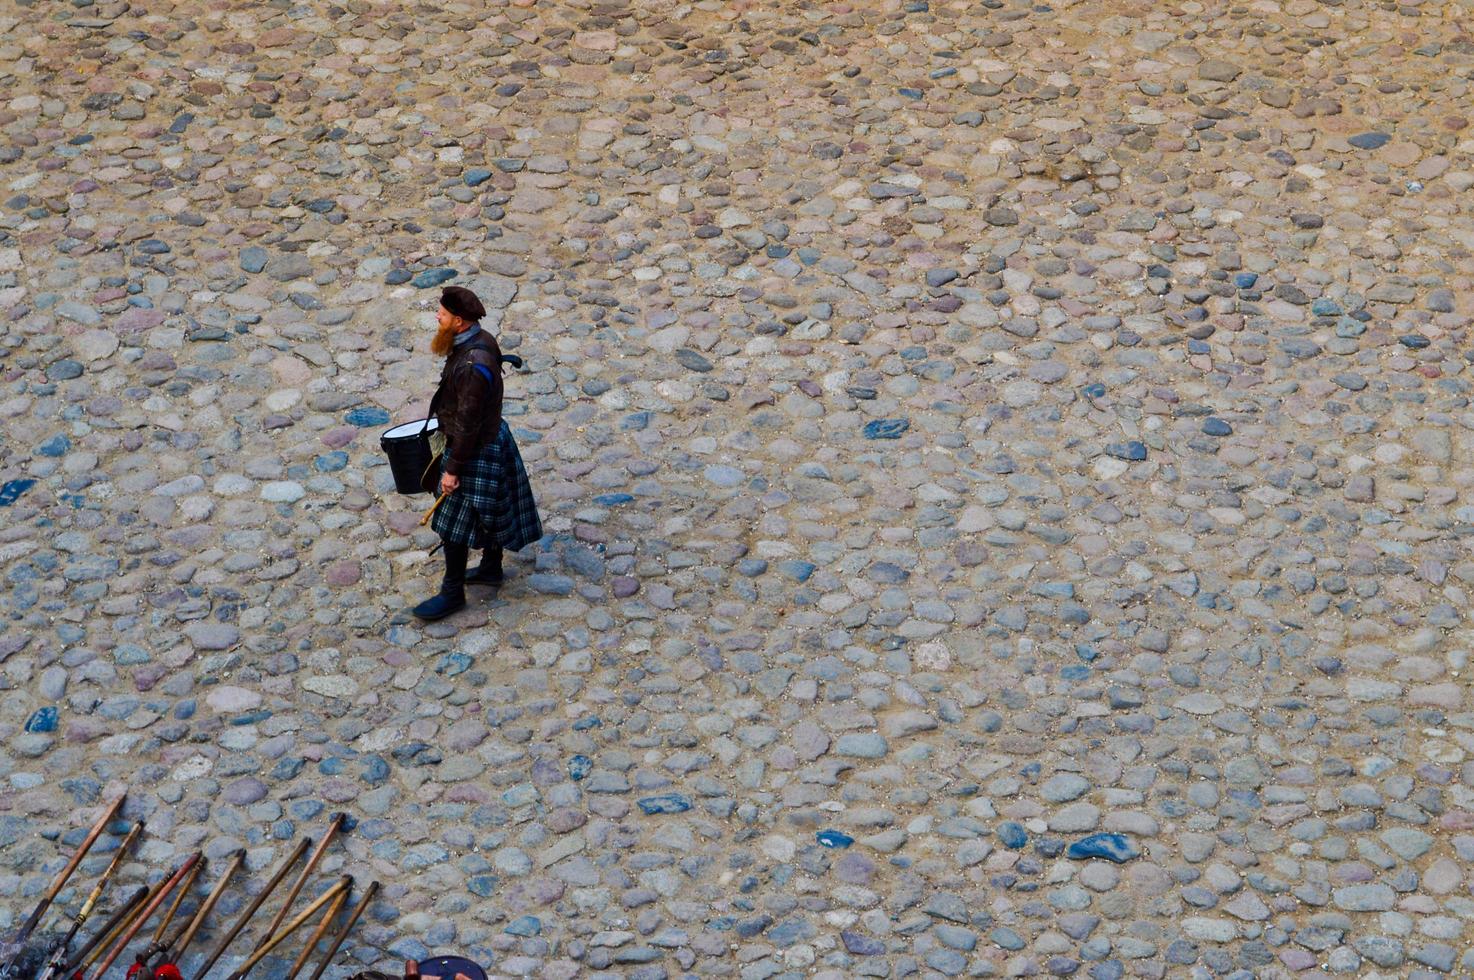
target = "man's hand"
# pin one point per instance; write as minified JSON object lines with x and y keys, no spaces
{"x":449,"y":482}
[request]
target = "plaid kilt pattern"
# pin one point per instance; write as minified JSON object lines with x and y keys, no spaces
{"x":494,"y":502}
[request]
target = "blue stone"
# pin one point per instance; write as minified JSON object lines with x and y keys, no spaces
{"x":1413,"y":341}
{"x":524,"y":925}
{"x":181,"y":123}
{"x":321,"y":205}
{"x":940,"y":277}
{"x":584,"y":724}
{"x":1113,"y":847}
{"x":477,"y":176}
{"x":152,"y":246}
{"x":579,"y":766}
{"x":307,"y":809}
{"x":44,"y":720}
{"x":130,"y":655}
{"x":366,"y":417}
{"x":859,"y":944}
{"x":12,"y":490}
{"x":331,"y":462}
{"x":1133,"y":451}
{"x":185,"y":709}
{"x":431,"y":278}
{"x":751,"y":567}
{"x":251,"y":717}
{"x":1245,"y":280}
{"x":886,"y":428}
{"x":910,"y":93}
{"x":397,"y":277}
{"x":453,"y":663}
{"x":57,"y":445}
{"x":614,"y":499}
{"x":1096,"y":390}
{"x":548,"y":584}
{"x":1007,"y":938}
{"x":808,"y":256}
{"x":1369,"y":141}
{"x":253,"y":259}
{"x":1075,"y":672}
{"x":1324,"y":307}
{"x":665,"y":803}
{"x":409,"y":949}
{"x":795,"y":569}
{"x":375,"y":770}
{"x":1217,"y":427}
{"x":1013,"y":835}
{"x":635,"y":422}
{"x":833,"y":838}
{"x":287,"y":769}
{"x":330,"y":767}
{"x":1198,"y":347}
{"x":778,"y":251}
{"x":1086,"y":652}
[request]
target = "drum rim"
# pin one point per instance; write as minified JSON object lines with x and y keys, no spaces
{"x":439,"y":963}
{"x":412,"y":428}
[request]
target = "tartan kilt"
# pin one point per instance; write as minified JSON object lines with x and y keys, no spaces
{"x":494,"y":503}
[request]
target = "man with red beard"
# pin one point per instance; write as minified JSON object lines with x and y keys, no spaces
{"x":488,"y":501}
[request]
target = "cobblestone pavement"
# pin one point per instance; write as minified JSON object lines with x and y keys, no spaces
{"x":1004,"y":466}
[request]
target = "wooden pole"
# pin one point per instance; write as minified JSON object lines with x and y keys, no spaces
{"x":56,"y":886}
{"x":276,"y":879}
{"x":363,"y":904}
{"x":317,"y":934}
{"x":59,"y":954}
{"x":342,"y":883}
{"x":109,"y":928}
{"x":158,"y":900}
{"x":311,"y":866}
{"x":176,"y":948}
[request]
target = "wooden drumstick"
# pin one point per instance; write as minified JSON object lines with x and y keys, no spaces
{"x":433,"y":508}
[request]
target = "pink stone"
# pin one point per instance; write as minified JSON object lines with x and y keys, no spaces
{"x":341,"y":573}
{"x":339,"y":437}
{"x":137,"y":319}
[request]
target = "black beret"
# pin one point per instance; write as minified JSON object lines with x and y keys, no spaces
{"x":462,"y":302}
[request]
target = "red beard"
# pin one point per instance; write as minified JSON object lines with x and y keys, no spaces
{"x":443,"y":341}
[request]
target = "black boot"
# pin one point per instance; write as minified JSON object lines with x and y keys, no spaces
{"x":452,"y":595}
{"x":489,"y":572}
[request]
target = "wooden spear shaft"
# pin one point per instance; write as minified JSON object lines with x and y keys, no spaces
{"x":82,"y":963}
{"x":56,"y":886}
{"x":317,"y":934}
{"x":109,"y":928}
{"x":158,"y":900}
{"x":59,"y":954}
{"x":363,"y":904}
{"x":181,"y":940}
{"x":311,"y":866}
{"x":276,"y":879}
{"x":342,"y":883}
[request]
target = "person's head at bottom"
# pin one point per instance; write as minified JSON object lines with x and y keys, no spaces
{"x":460,"y":310}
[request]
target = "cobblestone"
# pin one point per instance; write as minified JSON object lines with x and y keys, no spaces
{"x":1003,"y":467}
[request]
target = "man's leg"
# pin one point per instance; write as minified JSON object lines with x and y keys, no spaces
{"x":452,"y":595}
{"x":489,"y":572}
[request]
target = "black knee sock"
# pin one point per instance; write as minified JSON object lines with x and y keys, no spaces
{"x":455,"y":566}
{"x":491,"y":558}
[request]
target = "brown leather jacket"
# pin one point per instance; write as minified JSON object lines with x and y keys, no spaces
{"x":468,"y":403}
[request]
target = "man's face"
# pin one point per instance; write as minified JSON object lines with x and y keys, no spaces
{"x":447,"y":325}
